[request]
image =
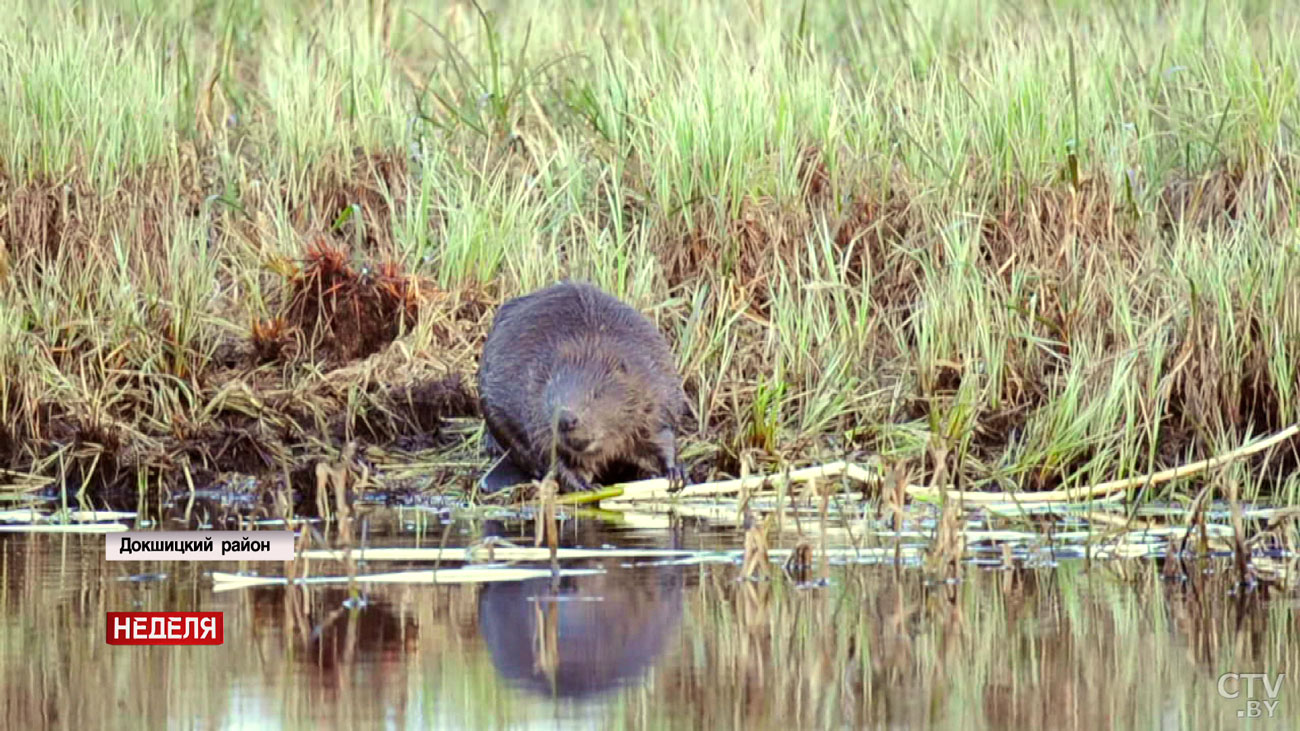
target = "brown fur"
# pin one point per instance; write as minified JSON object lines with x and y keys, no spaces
{"x":571,"y":371}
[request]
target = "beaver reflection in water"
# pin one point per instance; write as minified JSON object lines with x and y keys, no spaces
{"x":581,"y":636}
{"x":572,"y":372}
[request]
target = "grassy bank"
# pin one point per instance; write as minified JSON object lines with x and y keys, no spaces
{"x":1023,"y":245}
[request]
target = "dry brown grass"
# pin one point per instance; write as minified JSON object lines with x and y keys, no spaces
{"x":339,"y":305}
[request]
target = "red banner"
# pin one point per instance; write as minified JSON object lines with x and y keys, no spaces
{"x":164,"y":628}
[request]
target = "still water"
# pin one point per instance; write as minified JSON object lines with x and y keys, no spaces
{"x":1064,"y":643}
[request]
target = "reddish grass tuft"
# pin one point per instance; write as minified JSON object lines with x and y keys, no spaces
{"x":348,"y":314}
{"x":269,"y":338}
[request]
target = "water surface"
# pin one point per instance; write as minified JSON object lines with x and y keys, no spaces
{"x":1055,"y":642}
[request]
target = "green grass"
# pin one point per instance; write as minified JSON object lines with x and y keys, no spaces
{"x":1056,"y":239}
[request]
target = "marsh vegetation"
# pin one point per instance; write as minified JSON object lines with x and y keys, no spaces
{"x":1020,"y":246}
{"x":249,"y":253}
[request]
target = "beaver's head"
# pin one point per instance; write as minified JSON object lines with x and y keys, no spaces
{"x":591,"y":405}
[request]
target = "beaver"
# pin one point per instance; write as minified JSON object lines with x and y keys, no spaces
{"x":571,"y":371}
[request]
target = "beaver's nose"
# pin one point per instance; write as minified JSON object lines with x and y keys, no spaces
{"x":567,"y":422}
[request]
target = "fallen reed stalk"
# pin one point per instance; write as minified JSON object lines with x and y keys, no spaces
{"x":500,"y":553}
{"x":1112,"y":487}
{"x":658,"y":488}
{"x":70,"y":528}
{"x":571,"y":554}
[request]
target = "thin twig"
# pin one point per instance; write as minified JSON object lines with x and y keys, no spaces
{"x":1114,"y":486}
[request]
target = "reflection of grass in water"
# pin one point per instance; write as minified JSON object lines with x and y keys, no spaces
{"x":1060,"y":648}
{"x":1069,"y":647}
{"x":1053,"y":244}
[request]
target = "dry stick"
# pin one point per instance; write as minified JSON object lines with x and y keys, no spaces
{"x":71,"y":528}
{"x":224,"y":581}
{"x":1113,"y":486}
{"x":504,"y":553}
{"x":542,"y":555}
{"x":657,"y":489}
